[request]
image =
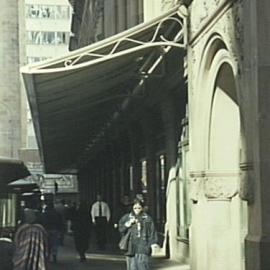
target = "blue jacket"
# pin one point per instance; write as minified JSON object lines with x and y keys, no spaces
{"x":143,"y":233}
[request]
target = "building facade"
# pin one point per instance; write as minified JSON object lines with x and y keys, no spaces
{"x":47,"y":26}
{"x":46,"y":34}
{"x":10,"y":91}
{"x":191,"y":131}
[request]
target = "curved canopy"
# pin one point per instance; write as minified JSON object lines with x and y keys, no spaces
{"x":23,"y":185}
{"x":74,"y":99}
{"x":12,"y":169}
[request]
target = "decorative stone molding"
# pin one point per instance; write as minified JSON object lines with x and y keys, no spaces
{"x":220,"y":185}
{"x":167,"y":4}
{"x":205,"y":14}
{"x":221,"y":188}
{"x":196,"y":180}
{"x":194,"y":190}
{"x":246,"y":190}
{"x":203,"y":9}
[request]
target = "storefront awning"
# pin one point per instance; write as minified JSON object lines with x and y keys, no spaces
{"x":12,"y":169}
{"x":74,"y":99}
{"x":23,"y":185}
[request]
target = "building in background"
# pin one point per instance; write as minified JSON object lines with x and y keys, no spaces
{"x":10,"y":87}
{"x":47,"y":26}
{"x":46,"y":35}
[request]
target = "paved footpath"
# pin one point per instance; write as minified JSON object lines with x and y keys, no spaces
{"x":69,"y":260}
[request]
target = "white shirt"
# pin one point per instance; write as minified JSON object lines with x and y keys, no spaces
{"x":105,"y":210}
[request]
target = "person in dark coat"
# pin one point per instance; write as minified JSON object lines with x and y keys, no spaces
{"x":6,"y":251}
{"x":31,"y":247}
{"x":81,"y":229}
{"x":143,"y":236}
{"x":53,"y":224}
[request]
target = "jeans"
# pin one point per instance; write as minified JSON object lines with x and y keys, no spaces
{"x":138,"y":262}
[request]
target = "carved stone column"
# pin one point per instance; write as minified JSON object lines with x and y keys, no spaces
{"x":257,"y":88}
{"x":216,"y":220}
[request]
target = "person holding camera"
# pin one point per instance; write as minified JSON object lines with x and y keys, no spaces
{"x":142,"y":237}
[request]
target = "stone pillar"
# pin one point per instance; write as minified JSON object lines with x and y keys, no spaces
{"x":9,"y":80}
{"x":257,"y":70}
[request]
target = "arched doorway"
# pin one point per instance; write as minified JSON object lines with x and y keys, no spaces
{"x":228,"y":224}
{"x":219,"y":216}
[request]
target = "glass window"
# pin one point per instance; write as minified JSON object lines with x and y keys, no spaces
{"x":35,"y":59}
{"x":65,"y":12}
{"x":131,"y":180}
{"x":61,"y":12}
{"x":34,"y":37}
{"x":32,"y":11}
{"x":50,"y":38}
{"x":7,"y":211}
{"x":144,"y":176}
{"x":47,"y":11}
{"x":62,"y":38}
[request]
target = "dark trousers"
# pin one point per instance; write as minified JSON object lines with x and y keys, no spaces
{"x":101,"y":231}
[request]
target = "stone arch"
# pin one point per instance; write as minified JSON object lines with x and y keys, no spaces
{"x":214,"y":53}
{"x":218,"y":146}
{"x":224,"y":123}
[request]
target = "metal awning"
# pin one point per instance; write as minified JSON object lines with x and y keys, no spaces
{"x":23,"y":185}
{"x":12,"y":169}
{"x":74,"y":99}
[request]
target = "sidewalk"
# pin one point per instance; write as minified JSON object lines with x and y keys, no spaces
{"x":110,"y":259}
{"x":167,"y":264}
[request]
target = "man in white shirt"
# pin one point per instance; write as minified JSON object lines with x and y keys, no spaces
{"x":100,"y":213}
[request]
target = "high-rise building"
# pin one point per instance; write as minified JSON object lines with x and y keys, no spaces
{"x":47,"y":25}
{"x":46,"y":35}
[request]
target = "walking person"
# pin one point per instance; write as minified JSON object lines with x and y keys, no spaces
{"x":143,"y":237}
{"x":100,"y":213}
{"x":81,"y":230}
{"x":31,"y":247}
{"x":61,"y":209}
{"x":53,"y":223}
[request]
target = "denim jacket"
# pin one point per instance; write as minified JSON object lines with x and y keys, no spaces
{"x":143,"y":233}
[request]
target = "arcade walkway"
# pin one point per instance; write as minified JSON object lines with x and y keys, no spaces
{"x":68,"y":260}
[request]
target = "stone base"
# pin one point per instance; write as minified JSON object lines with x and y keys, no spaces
{"x":257,"y":252}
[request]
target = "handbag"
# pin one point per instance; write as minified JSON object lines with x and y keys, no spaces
{"x":123,"y":244}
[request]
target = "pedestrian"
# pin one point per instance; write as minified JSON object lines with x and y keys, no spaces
{"x":6,"y":250}
{"x":53,"y":223}
{"x":70,"y":214}
{"x":61,"y":208}
{"x":81,"y":229}
{"x":31,"y":247}
{"x":143,"y":236}
{"x":100,"y":213}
